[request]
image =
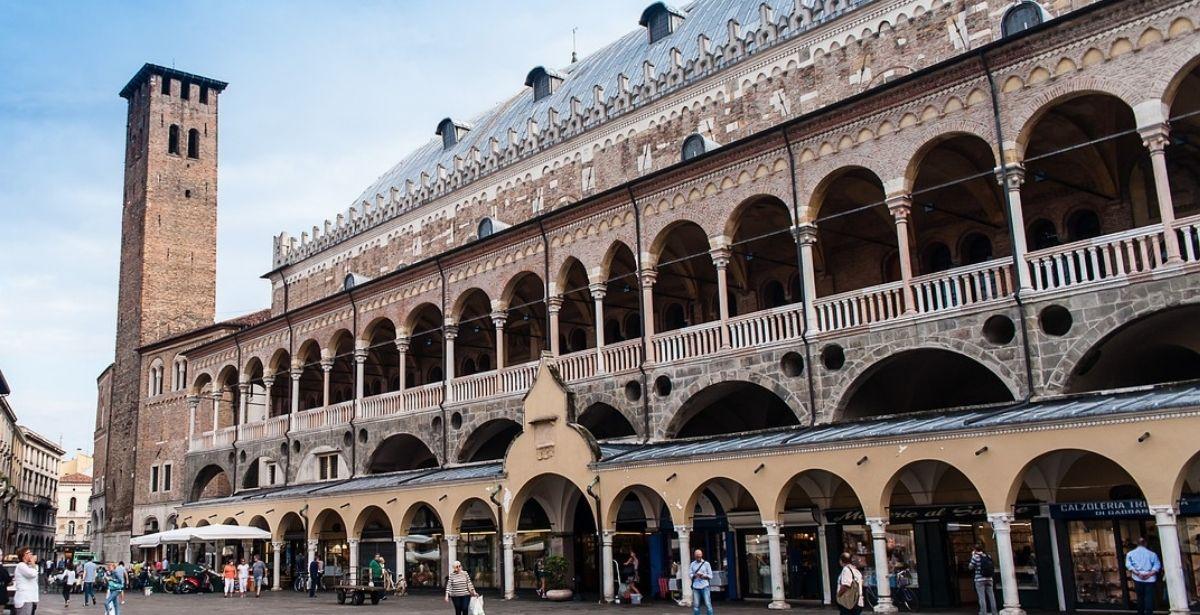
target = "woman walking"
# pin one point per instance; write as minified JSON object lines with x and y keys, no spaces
{"x":67,"y":578}
{"x":459,"y":588}
{"x":850,"y":585}
{"x":116,"y":587}
{"x":25,"y":581}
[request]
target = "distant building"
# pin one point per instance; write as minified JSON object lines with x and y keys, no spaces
{"x":74,"y":527}
{"x":37,"y":487}
{"x":8,"y":478}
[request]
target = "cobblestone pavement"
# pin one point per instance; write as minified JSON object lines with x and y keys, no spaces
{"x":291,"y":603}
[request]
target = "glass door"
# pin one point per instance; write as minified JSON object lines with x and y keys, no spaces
{"x":802,"y":564}
{"x":1097,"y":564}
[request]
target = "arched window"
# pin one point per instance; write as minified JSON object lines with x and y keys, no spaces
{"x":693,"y":146}
{"x":173,"y":139}
{"x":71,"y":524}
{"x":72,"y":505}
{"x":193,"y":143}
{"x":976,"y":248}
{"x":543,"y":82}
{"x":937,"y":258}
{"x":1042,"y":234}
{"x":1083,"y":224}
{"x":485,"y":228}
{"x":1020,"y":18}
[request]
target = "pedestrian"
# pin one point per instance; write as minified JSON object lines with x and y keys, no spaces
{"x":376,"y":567}
{"x":320,"y":573}
{"x":539,"y":577}
{"x":243,"y":574}
{"x":314,"y":577}
{"x":89,"y":582}
{"x":459,"y":588}
{"x":25,"y":578}
{"x":700,"y":575}
{"x":122,"y":574}
{"x":985,"y":571}
{"x":850,"y":585}
{"x":116,"y":589}
{"x":259,"y":570}
{"x":629,"y":570}
{"x":1144,"y":565}
{"x":67,"y":579}
{"x":229,"y":574}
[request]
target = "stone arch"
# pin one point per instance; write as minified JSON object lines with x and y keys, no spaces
{"x":466,"y":506}
{"x":919,"y":481}
{"x":1174,"y":69}
{"x":706,"y":411}
{"x":1070,"y":361}
{"x":821,"y":488}
{"x":883,"y":381}
{"x":260,"y":522}
{"x":290,"y":522}
{"x":400,"y":452}
{"x":657,"y":245}
{"x":212,"y":481}
{"x":1031,"y":111}
{"x":325,"y":521}
{"x":604,"y":421}
{"x":489,"y":441}
{"x":371,"y":517}
{"x":923,"y":151}
{"x":568,"y":488}
{"x":613,"y":251}
{"x":201,"y":384}
{"x":410,"y":514}
{"x":1187,"y":481}
{"x":414,"y":315}
{"x":738,"y":215}
{"x":646,"y":496}
{"x":821,"y":188}
{"x":729,"y":494}
{"x":1043,"y":476}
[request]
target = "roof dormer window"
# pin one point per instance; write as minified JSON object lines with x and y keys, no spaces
{"x":1021,"y":17}
{"x":451,"y":131}
{"x":660,"y":21}
{"x":543,"y":82}
{"x":695,"y":145}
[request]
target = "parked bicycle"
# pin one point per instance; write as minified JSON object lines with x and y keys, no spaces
{"x":904,"y":597}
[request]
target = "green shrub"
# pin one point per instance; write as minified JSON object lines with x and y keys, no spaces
{"x":556,"y":572}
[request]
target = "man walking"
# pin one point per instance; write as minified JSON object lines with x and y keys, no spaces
{"x":699,"y":574}
{"x":314,"y":577}
{"x":985,"y":572}
{"x":89,"y":582}
{"x":1143,"y":565}
{"x":259,"y":570}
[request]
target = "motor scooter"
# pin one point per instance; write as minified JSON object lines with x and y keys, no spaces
{"x":200,"y":581}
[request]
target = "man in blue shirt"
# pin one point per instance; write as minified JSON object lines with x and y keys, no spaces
{"x":699,"y":574}
{"x":89,"y":582}
{"x":1143,"y":565}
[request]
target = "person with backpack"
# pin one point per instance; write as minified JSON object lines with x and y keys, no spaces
{"x":985,"y":571}
{"x":850,"y":585}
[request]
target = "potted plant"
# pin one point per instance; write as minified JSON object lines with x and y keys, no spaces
{"x":557,"y":579}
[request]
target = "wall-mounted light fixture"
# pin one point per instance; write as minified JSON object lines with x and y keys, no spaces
{"x":981,"y":451}
{"x":1142,"y":438}
{"x":760,"y":468}
{"x":862,"y":461}
{"x":392,"y":501}
{"x":443,"y":498}
{"x":671,"y":477}
{"x":346,"y":505}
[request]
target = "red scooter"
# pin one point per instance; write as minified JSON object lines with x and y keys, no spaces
{"x":200,"y":581}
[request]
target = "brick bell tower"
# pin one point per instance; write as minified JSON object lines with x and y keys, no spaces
{"x":168,"y":270}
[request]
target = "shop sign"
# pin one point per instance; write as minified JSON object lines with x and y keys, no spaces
{"x":1113,"y":509}
{"x":924,"y":513}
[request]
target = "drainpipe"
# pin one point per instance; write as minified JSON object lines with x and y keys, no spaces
{"x":599,"y":534}
{"x":808,"y":362}
{"x":354,"y":415}
{"x":549,"y":343}
{"x":445,"y":368}
{"x":499,"y":531}
{"x":1017,"y":264}
{"x":237,"y":344}
{"x":637,"y":221}
{"x":287,"y":316}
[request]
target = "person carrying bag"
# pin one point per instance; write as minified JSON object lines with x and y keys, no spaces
{"x":460,"y":589}
{"x":850,"y":584}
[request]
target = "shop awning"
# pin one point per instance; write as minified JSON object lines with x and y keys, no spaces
{"x":207,"y":533}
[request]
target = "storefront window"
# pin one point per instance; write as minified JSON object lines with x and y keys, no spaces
{"x":757,"y":563}
{"x":476,"y":551}
{"x":1189,"y":542}
{"x":1024,"y":555}
{"x":529,"y":547}
{"x":902,"y":558}
{"x":1096,"y":562}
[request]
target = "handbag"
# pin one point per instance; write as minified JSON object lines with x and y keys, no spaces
{"x":849,"y":599}
{"x":476,"y":606}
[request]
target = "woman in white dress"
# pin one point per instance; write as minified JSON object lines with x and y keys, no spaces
{"x":25,"y":581}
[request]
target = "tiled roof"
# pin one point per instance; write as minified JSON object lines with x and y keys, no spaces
{"x":76,"y":479}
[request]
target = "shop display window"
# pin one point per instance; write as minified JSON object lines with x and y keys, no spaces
{"x":1024,"y":555}
{"x":902,"y":554}
{"x":1096,"y":562}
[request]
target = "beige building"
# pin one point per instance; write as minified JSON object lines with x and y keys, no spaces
{"x":774,"y":280}
{"x":9,"y":472}
{"x":73,"y":518}
{"x":37,"y":491}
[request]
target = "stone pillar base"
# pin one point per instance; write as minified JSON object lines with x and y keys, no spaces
{"x":779,"y":604}
{"x":885,"y":608}
{"x":1012,"y":610}
{"x":276,"y":589}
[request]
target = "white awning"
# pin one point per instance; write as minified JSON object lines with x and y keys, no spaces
{"x":207,"y":533}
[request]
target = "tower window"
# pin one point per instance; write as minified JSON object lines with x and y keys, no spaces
{"x":185,"y":90}
{"x":204,"y":94}
{"x":1020,"y":18}
{"x":485,"y":228}
{"x":193,"y":143}
{"x":694,"y":145}
{"x":450,"y":132}
{"x":166,"y":86}
{"x":660,"y":21}
{"x":173,"y":139}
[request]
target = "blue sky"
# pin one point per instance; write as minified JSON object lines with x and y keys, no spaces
{"x":323,"y":98}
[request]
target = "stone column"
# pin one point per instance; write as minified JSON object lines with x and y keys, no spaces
{"x":360,"y":362}
{"x":1172,"y":558}
{"x":1002,"y":527}
{"x":193,"y":402}
{"x":685,"y":558}
{"x":554,"y":306}
{"x":353,"y":572}
{"x":450,"y":333}
{"x":901,"y":208}
{"x":276,"y":558}
{"x":606,"y":564}
{"x":647,"y":279}
{"x":216,"y":405}
{"x":187,"y":553}
{"x":823,"y":551}
{"x":1011,"y":181}
{"x":268,"y":382}
{"x":243,"y":393}
{"x":806,"y":238}
{"x":720,"y":258}
{"x":510,"y":591}
{"x":883,"y":587}
{"x":297,"y":371}
{"x":326,"y":367}
{"x":451,"y":549}
{"x":312,"y":551}
{"x":599,"y":290}
{"x":499,"y":318}
{"x":778,"y":598}
{"x":402,"y":343}
{"x":400,"y":563}
{"x":1156,"y":138}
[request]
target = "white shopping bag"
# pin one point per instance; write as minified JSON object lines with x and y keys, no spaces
{"x":476,"y":606}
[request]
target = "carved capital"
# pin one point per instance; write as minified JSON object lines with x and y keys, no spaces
{"x":1012,"y":177}
{"x":402,"y":344}
{"x":554,"y":304}
{"x":900,"y":205}
{"x":1001,"y":521}
{"x":805,"y":234}
{"x":1155,"y":137}
{"x":193,"y":402}
{"x":499,"y":318}
{"x":327,"y":365}
{"x":720,"y":257}
{"x":360,"y":356}
{"x":269,"y":381}
{"x":648,"y":277}
{"x":772,"y":527}
{"x":450,"y":331}
{"x":878,"y":526}
{"x":598,"y":290}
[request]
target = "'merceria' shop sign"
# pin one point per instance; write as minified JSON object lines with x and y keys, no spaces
{"x":1100,"y":510}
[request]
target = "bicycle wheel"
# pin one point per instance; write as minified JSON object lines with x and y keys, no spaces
{"x":869,"y":598}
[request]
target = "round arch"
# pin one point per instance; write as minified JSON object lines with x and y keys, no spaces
{"x":1071,"y":475}
{"x":730,"y":406}
{"x":290,"y":525}
{"x":400,"y":452}
{"x":212,"y":481}
{"x":605,"y":422}
{"x":921,"y":379}
{"x":489,"y":441}
{"x":1156,"y":348}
